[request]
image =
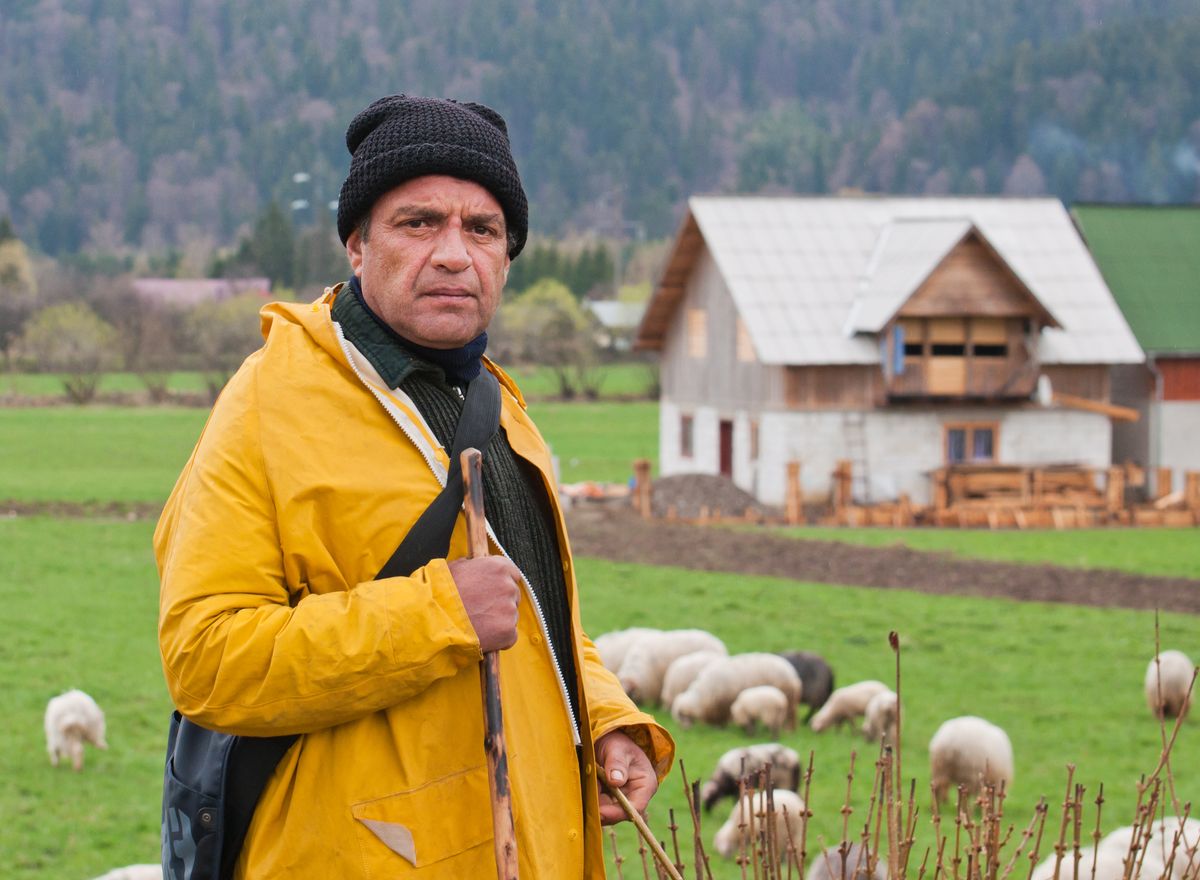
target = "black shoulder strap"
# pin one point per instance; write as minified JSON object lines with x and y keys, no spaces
{"x":429,"y":538}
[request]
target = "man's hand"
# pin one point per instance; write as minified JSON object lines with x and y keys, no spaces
{"x":627,"y":768}
{"x":490,"y":589}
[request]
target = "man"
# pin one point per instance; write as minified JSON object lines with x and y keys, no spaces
{"x":322,"y":452}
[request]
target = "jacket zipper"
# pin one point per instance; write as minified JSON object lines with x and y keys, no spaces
{"x":441,"y":478}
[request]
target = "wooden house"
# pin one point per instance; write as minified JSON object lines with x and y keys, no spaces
{"x":901,"y":334}
{"x":1150,"y":258}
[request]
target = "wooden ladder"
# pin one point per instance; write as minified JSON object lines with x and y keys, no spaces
{"x":854,"y":432}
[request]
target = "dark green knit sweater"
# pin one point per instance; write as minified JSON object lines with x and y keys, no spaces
{"x":514,"y":497}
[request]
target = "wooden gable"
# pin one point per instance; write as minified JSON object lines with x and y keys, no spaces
{"x":669,"y":293}
{"x":973,"y":280}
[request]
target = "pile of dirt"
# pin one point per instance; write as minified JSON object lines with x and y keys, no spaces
{"x":620,"y":535}
{"x":692,"y":496}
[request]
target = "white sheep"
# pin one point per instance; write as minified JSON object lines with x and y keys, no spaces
{"x":72,"y":719}
{"x":970,"y":752}
{"x":683,"y":671}
{"x":782,"y":764}
{"x":846,"y":703}
{"x":1171,"y":698}
{"x":747,"y":822}
{"x":881,"y":718}
{"x":1168,"y":839}
{"x":641,"y":674}
{"x":134,"y":872}
{"x":1108,"y":865}
{"x":613,"y":646}
{"x":711,"y":695}
{"x":854,"y":864}
{"x":762,"y":704}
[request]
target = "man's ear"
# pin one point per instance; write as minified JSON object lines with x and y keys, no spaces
{"x":354,"y":247}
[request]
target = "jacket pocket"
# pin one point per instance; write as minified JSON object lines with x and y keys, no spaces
{"x":444,"y":818}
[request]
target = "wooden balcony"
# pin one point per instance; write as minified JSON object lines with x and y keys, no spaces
{"x":964,"y":377}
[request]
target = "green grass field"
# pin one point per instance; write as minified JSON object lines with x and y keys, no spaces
{"x":1173,"y":552}
{"x":1065,"y":682}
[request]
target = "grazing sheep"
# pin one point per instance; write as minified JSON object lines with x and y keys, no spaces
{"x":683,"y":671}
{"x":763,"y":704}
{"x":846,"y":703}
{"x":815,"y":674}
{"x":782,"y":763}
{"x":881,"y":718}
{"x":747,"y":821}
{"x":968,"y":751}
{"x":711,"y":695}
{"x":613,"y":646}
{"x":1160,"y":845}
{"x":855,"y":865}
{"x":71,"y":720}
{"x":134,"y":872}
{"x":1108,"y":865}
{"x":1171,"y":699}
{"x":645,"y":666}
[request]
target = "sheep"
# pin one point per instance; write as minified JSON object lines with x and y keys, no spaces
{"x":134,"y":872}
{"x":881,"y":719}
{"x":1172,"y":697}
{"x":73,"y":718}
{"x":815,"y":674}
{"x":854,"y":865}
{"x":613,"y":646}
{"x":712,"y":693}
{"x":641,"y":674}
{"x":683,"y":671}
{"x":1108,"y":865}
{"x":782,"y":764}
{"x":1169,"y":839}
{"x":747,"y":821}
{"x":845,"y":704}
{"x":970,"y":752}
{"x":763,"y":704}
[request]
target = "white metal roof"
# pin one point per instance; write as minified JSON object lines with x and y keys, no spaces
{"x":796,"y":267}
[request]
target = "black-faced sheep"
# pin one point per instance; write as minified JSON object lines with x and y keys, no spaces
{"x":1168,"y":682}
{"x":970,"y":752}
{"x":816,"y":675}
{"x":712,"y":693}
{"x":613,"y":646}
{"x":683,"y":671}
{"x":641,"y":674}
{"x":846,"y":703}
{"x":853,"y":864}
{"x":748,"y":821}
{"x":762,"y":704}
{"x":782,"y":762}
{"x":72,"y":719}
{"x":881,"y":718}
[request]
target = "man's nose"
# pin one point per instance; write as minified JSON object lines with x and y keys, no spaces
{"x":450,"y":249}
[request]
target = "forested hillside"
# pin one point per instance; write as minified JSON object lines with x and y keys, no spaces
{"x":138,"y":124}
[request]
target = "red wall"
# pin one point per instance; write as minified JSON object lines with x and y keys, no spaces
{"x":1180,"y":378}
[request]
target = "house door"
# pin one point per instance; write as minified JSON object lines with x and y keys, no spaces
{"x":727,"y":449}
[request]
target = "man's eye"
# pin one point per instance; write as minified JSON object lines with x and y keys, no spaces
{"x":415,"y":223}
{"x":484,"y":230}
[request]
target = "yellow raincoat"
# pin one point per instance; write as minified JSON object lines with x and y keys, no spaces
{"x":305,"y":479}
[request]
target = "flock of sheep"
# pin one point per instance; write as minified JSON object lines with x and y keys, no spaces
{"x":691,"y":673}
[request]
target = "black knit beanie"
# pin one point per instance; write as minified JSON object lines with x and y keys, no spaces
{"x":398,"y":138}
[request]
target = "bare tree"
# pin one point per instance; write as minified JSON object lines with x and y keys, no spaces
{"x":224,"y":333}
{"x":72,"y":340}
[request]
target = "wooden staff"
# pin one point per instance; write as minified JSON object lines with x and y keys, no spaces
{"x":643,"y":829}
{"x":504,"y":836}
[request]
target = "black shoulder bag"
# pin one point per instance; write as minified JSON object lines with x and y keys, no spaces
{"x":212,"y":781}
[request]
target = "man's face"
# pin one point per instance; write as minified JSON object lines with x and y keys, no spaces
{"x":434,"y":261}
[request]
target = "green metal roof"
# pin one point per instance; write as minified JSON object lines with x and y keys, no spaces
{"x":1149,"y":256}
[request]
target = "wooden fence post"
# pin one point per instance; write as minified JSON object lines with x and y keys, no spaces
{"x":1192,"y":491}
{"x":1115,"y":490}
{"x":1162,"y":483}
{"x":793,"y":507}
{"x":641,"y":486}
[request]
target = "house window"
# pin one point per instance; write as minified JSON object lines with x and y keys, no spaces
{"x":697,"y":333}
{"x":686,"y":434}
{"x":971,"y":443}
{"x":745,"y":347}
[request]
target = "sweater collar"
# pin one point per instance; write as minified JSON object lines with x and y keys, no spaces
{"x":395,"y":357}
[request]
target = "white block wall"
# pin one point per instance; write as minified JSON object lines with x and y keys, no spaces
{"x":1177,"y":426}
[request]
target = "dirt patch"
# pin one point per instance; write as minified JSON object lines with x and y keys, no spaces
{"x":617,"y":533}
{"x":127,"y":510}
